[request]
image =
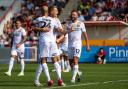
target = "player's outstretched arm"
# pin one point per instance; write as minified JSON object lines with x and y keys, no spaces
{"x":86,"y":40}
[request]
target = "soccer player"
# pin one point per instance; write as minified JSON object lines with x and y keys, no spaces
{"x":75,"y":28}
{"x":64,"y":52}
{"x":58,"y":33}
{"x":17,"y":51}
{"x":47,"y":45}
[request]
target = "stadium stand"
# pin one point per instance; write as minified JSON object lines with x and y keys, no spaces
{"x":103,"y":10}
{"x":91,"y":10}
{"x":29,"y":10}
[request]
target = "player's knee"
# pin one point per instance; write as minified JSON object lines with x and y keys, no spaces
{"x":54,"y":59}
{"x":43,"y":60}
{"x":13,"y":56}
{"x":75,"y":60}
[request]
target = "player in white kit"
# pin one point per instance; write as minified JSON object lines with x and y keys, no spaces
{"x":17,"y":50}
{"x":58,"y":32}
{"x":47,"y":46}
{"x":63,"y":48}
{"x":76,"y":29}
{"x":53,"y":13}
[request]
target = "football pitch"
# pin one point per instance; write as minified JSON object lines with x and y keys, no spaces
{"x":94,"y":76}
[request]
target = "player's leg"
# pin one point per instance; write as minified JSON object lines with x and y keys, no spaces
{"x":11,"y":62}
{"x":37,"y":75}
{"x":57,"y":67}
{"x":46,"y":70}
{"x":67,"y":64}
{"x":65,"y":55}
{"x":75,"y":68}
{"x":62,"y":62}
{"x":76,"y":56}
{"x":44,"y":54}
{"x":20,"y":55}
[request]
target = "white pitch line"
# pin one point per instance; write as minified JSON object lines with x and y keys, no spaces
{"x":85,"y":84}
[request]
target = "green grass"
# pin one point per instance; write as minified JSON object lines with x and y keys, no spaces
{"x":92,"y":73}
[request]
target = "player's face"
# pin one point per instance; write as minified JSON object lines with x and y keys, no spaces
{"x":74,"y":15}
{"x":102,"y":50}
{"x":18,"y":24}
{"x":54,"y":12}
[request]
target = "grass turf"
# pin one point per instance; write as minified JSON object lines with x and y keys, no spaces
{"x":92,"y":73}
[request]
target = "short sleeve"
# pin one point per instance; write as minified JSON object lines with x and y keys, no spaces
{"x":83,"y":27}
{"x":24,"y":32}
{"x":58,"y":24}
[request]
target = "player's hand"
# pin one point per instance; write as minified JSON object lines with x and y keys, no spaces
{"x":88,"y":48}
{"x":71,"y":29}
{"x":57,"y":41}
{"x":18,"y":45}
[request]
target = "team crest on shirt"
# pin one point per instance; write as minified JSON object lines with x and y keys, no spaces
{"x":78,"y":24}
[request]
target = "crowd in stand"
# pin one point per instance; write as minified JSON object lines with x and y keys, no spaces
{"x":30,"y":9}
{"x":103,"y":10}
{"x":89,"y":10}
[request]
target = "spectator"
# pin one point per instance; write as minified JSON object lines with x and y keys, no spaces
{"x":30,"y":5}
{"x":1,"y":41}
{"x":100,"y":56}
{"x":94,"y":17}
{"x":118,"y":9}
{"x":80,"y":16}
{"x":8,"y":28}
{"x":29,"y":11}
{"x":103,"y":17}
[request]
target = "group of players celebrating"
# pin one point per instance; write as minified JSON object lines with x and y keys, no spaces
{"x":55,"y":43}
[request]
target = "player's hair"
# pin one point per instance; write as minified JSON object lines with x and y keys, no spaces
{"x":20,"y":20}
{"x":51,"y":9}
{"x":74,"y":11}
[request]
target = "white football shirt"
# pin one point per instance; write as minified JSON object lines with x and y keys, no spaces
{"x":18,"y":35}
{"x":46,"y":22}
{"x":74,"y":37}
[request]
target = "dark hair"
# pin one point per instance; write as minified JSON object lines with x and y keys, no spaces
{"x":74,"y":11}
{"x":101,"y":49}
{"x":51,"y":8}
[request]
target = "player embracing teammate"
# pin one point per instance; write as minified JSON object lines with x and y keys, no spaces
{"x":47,"y":46}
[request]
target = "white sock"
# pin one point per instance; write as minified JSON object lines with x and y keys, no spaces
{"x":67,"y":64}
{"x":22,"y":65}
{"x":75,"y":71}
{"x":38,"y":73}
{"x":11,"y":63}
{"x":59,"y":62}
{"x":58,"y":69}
{"x":62,"y":63}
{"x":79,"y":73}
{"x":46,"y":71}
